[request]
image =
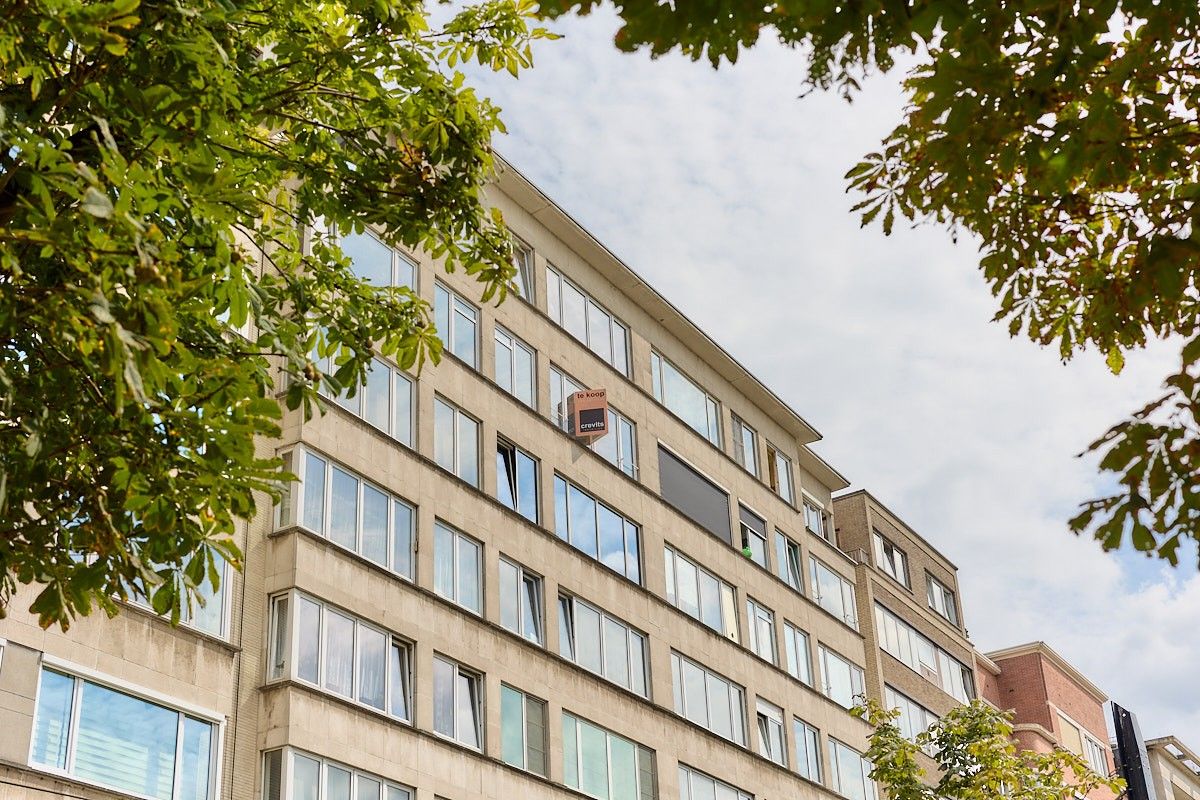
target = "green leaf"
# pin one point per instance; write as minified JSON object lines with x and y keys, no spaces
{"x":96,"y":203}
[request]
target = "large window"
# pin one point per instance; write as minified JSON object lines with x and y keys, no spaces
{"x":318,"y":644}
{"x":914,"y":718}
{"x":779,"y":474}
{"x":700,"y":594}
{"x":772,"y":741}
{"x":457,"y":702}
{"x":693,"y":495}
{"x":517,"y":479}
{"x":695,"y":785}
{"x":603,"y":765}
{"x":375,"y":262}
{"x":901,"y":640}
{"x":754,"y":536}
{"x":787,"y":561}
{"x":385,"y":400}
{"x":349,"y":511}
{"x":457,"y":567}
{"x":941,"y":599}
{"x":520,"y":601}
{"x":817,"y":521}
{"x":603,"y":644}
{"x":760,"y":628}
{"x":212,"y":617}
{"x":799,"y":658}
{"x":890,"y":558}
{"x":618,"y":447}
{"x":104,"y":736}
{"x":808,"y":749}
{"x":849,"y":772}
{"x":832,"y":592}
{"x":456,"y":441}
{"x":457,"y":323}
{"x":523,"y":730}
{"x":745,"y":445}
{"x":587,"y":321}
{"x":685,"y":399}
{"x":708,"y":699}
{"x":515,"y":371}
{"x":1074,"y":738}
{"x":290,"y":774}
{"x":841,"y":680}
{"x":596,"y":529}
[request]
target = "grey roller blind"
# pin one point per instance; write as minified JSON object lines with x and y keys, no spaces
{"x":695,"y":496}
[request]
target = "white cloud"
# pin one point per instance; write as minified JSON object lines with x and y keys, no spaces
{"x":724,"y":190}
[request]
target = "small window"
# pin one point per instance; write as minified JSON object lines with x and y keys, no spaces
{"x":457,"y":702}
{"x":517,"y":479}
{"x":808,"y":749}
{"x":523,"y":730}
{"x":941,"y":599}
{"x":597,"y":530}
{"x":787,"y":561}
{"x":760,"y":623}
{"x":695,"y":785}
{"x":603,"y":644}
{"x":587,"y":321}
{"x":520,"y":601}
{"x":799,"y":658}
{"x":817,"y":522}
{"x":779,"y":474}
{"x":745,"y":445}
{"x":523,"y":261}
{"x":754,"y":536}
{"x":457,"y":323}
{"x":456,"y":441}
{"x":842,"y":681}
{"x":457,"y":567}
{"x":709,"y":699}
{"x":515,"y":367}
{"x":684,"y":398}
{"x":891,"y":559}
{"x":700,"y":594}
{"x":772,"y":741}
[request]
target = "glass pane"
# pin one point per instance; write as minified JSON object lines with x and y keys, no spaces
{"x":402,"y":408}
{"x":688,"y":589}
{"x":587,"y":638}
{"x":402,"y":538}
{"x":466,"y":697}
{"x":339,"y":653}
{"x":368,"y":788}
{"x":377,"y":396}
{"x":620,"y":348}
{"x":504,"y":362}
{"x":372,"y":666}
{"x":531,"y":608}
{"x":510,"y":597}
{"x":527,"y":487}
{"x":462,"y":338}
{"x":443,"y":435}
{"x":710,"y":601}
{"x":375,"y":525}
{"x":406,"y":271}
{"x":370,"y":259}
{"x":535,"y":735}
{"x":125,"y":742}
{"x":53,"y":720}
{"x":560,"y":508}
{"x":396,"y":793}
{"x":598,"y":331}
{"x":574,"y":317}
{"x":443,"y":697}
{"x":468,"y":573}
{"x":566,"y":628}
{"x":570,"y":751}
{"x":593,"y":746}
{"x":633,"y":551}
{"x":669,"y":567}
{"x":337,"y":783}
{"x":612,"y":539}
{"x":273,"y":775}
{"x":308,"y":640}
{"x":628,"y":449}
{"x":695,"y":701}
{"x":553,"y":305}
{"x":719,"y":694}
{"x":343,"y":515}
{"x":624,"y":769}
{"x":512,"y":726}
{"x":523,"y":382}
{"x":468,"y":449}
{"x":398,"y":680}
{"x":583,"y":521}
{"x":703,"y":787}
{"x":443,"y":561}
{"x":506,"y":475}
{"x":637,"y":664}
{"x":195,"y":764}
{"x":306,"y":776}
{"x":314,"y":493}
{"x":210,"y":617}
{"x":616,"y":652}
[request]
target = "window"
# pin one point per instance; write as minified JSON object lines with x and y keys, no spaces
{"x":779,"y":474}
{"x":375,"y":262}
{"x":618,"y":446}
{"x":349,"y":511}
{"x":455,"y":441}
{"x":520,"y":601}
{"x":108,"y":737}
{"x":457,"y":323}
{"x":290,"y":774}
{"x":700,"y":594}
{"x":787,"y":561}
{"x":841,"y":680}
{"x":941,"y":599}
{"x":760,"y":625}
{"x":772,"y":742}
{"x":708,"y":699}
{"x":799,"y":658}
{"x":517,"y":479}
{"x":685,"y":399}
{"x":515,"y":371}
{"x":318,"y":644}
{"x":817,"y":522}
{"x":385,"y":400}
{"x":849,"y":772}
{"x":523,"y":261}
{"x":457,"y":702}
{"x":808,"y":749}
{"x":457,"y":567}
{"x":523,"y":730}
{"x":597,"y":530}
{"x":1069,"y":735}
{"x":1096,"y":755}
{"x":212,"y":617}
{"x":832,"y":592}
{"x":603,"y":765}
{"x":745,"y":445}
{"x":906,"y":644}
{"x":891,"y":559}
{"x":693,"y":495}
{"x":603,"y":644}
{"x":695,"y":785}
{"x":587,"y":321}
{"x":914,"y":718}
{"x":754,"y":536}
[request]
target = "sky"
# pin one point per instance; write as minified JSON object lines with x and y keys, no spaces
{"x":724,"y":190}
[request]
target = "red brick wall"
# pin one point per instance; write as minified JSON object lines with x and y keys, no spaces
{"x":1022,"y":689}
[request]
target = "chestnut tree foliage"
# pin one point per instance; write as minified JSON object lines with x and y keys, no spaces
{"x":1062,"y":136}
{"x":161,"y":165}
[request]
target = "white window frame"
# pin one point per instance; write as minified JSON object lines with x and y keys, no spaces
{"x":187,"y":613}
{"x":688,"y":774}
{"x":513,"y":480}
{"x":808,"y":750}
{"x":909,"y":646}
{"x":798,"y":667}
{"x":942,"y":599}
{"x":457,"y":467}
{"x":457,"y":539}
{"x":712,"y":406}
{"x":740,"y":432}
{"x":836,"y":779}
{"x":781,"y":475}
{"x":478,"y":710}
{"x":726,"y":594}
{"x":626,"y":462}
{"x":640,"y":753}
{"x":759,"y":617}
{"x":891,"y":559}
{"x":501,"y":336}
{"x":555,"y":280}
{"x":785,"y":548}
{"x":523,"y":578}
{"x":735,"y":695}
{"x":287,"y":756}
{"x":848,"y":599}
{"x":354,"y":405}
{"x":857,"y":676}
{"x":525,"y":279}
{"x":629,"y":528}
{"x":457,"y":305}
{"x":567,"y":609}
{"x":749,"y":533}
{"x":398,"y":258}
{"x":770,"y":720}
{"x":914,"y":718}
{"x":814,"y":513}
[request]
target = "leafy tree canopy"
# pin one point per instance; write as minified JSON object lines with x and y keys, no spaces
{"x":160,"y":166}
{"x":1062,"y":136}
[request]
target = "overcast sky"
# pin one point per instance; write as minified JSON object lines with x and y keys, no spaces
{"x":724,"y":190}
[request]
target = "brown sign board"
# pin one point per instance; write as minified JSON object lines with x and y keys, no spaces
{"x":589,"y":413}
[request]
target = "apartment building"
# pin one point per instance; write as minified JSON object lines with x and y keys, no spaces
{"x":1174,"y":769}
{"x":461,"y":598}
{"x":1053,"y":704}
{"x":919,"y":659}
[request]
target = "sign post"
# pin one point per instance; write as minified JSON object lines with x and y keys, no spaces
{"x":589,"y":413}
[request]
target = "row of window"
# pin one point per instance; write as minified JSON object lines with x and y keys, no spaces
{"x":931,"y":662}
{"x":893,"y":561}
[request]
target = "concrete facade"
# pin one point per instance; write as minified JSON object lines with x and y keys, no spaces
{"x":1175,"y":769}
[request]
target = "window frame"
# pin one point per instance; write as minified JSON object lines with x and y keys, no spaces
{"x":512,"y":479}
{"x":502,"y":336}
{"x":835,"y":771}
{"x":524,"y":577}
{"x":456,"y":304}
{"x":712,"y":406}
{"x":890,"y":559}
{"x":630,"y":530}
{"x":750,"y":534}
{"x":909,"y":644}
{"x":726,"y":593}
{"x":785,"y":549}
{"x":808,"y":736}
{"x":739,"y":439}
{"x":287,"y":755}
{"x":758,"y":615}
{"x":523,"y":260}
{"x":526,"y":700}
{"x":560,"y":381}
{"x":398,"y":257}
{"x":686,"y":775}
{"x":643,"y":758}
{"x":814,"y":510}
{"x":478,"y":708}
{"x":773,"y":717}
{"x":858,"y":677}
{"x":355,"y":405}
{"x":189,"y":610}
{"x":949,"y":597}
{"x":555,"y":282}
{"x":735,"y":695}
{"x":783,"y":485}
{"x":793,"y":634}
{"x":456,"y":468}
{"x":849,"y":610}
{"x":457,"y":538}
{"x":568,"y":615}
